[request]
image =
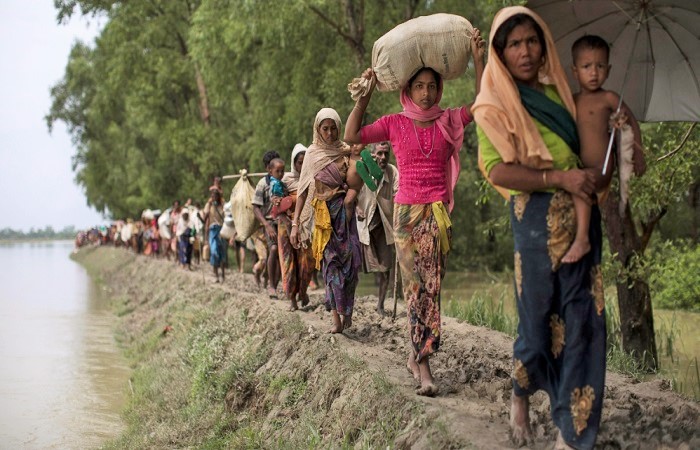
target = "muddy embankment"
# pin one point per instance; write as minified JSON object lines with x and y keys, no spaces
{"x":222,"y":365}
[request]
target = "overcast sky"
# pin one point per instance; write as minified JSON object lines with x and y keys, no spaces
{"x":36,"y":180}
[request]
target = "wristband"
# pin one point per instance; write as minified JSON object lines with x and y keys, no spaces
{"x":544,"y":178}
{"x":294,"y":224}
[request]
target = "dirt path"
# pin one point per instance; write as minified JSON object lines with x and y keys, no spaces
{"x":472,"y":369}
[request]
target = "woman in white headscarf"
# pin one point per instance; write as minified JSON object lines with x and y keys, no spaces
{"x":324,"y":193}
{"x":297,"y":263}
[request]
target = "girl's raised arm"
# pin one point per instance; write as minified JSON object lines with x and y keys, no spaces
{"x":354,"y":122}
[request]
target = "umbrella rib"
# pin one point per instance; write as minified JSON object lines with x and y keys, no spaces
{"x":680,"y":50}
{"x":585,"y":24}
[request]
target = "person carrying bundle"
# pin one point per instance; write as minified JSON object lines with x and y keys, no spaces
{"x":426,"y":140}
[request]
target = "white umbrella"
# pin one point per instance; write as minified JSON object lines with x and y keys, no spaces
{"x":654,"y":50}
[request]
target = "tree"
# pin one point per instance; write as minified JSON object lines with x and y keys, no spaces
{"x":673,"y":167}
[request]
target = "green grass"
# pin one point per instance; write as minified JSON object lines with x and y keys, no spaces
{"x":482,"y":311}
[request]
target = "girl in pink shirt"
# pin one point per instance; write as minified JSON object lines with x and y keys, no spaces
{"x":426,"y":140}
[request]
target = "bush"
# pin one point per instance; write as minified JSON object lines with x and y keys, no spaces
{"x":675,"y":280}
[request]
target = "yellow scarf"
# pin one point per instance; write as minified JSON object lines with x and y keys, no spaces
{"x":322,"y":230}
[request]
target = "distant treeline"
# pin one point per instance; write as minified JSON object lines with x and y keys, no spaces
{"x":8,"y":234}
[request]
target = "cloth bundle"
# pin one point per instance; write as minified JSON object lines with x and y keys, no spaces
{"x":242,"y":208}
{"x":440,"y":41}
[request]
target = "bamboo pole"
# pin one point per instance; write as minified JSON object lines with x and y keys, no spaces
{"x":243,"y":172}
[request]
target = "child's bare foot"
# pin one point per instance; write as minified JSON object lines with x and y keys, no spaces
{"x":520,"y":420}
{"x":412,"y":367}
{"x":577,"y":251}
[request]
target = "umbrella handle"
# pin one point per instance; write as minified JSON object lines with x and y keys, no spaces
{"x":607,"y":154}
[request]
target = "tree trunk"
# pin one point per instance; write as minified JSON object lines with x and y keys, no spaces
{"x":694,"y":203}
{"x":634,"y":299}
{"x":354,"y":32}
{"x":203,"y":99}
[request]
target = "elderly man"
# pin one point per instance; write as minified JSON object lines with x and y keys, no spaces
{"x":375,"y":215}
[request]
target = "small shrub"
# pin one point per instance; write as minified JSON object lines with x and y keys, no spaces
{"x":675,"y":281}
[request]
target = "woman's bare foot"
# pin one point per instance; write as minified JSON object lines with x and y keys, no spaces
{"x":271,"y":292}
{"x":561,"y":443}
{"x":520,"y":420}
{"x":577,"y":251}
{"x":346,"y":321}
{"x":427,"y":387}
{"x":304,"y":299}
{"x":337,"y":324}
{"x":412,"y":366}
{"x":293,"y":306}
{"x":428,"y":390}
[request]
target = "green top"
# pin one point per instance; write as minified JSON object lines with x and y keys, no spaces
{"x":563,"y":158}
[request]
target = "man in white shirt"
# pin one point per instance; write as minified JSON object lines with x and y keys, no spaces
{"x":375,"y":215}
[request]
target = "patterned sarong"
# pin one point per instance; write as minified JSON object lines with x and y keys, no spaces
{"x":297,"y":265}
{"x":422,"y":261}
{"x":341,"y":259}
{"x":560,"y":346}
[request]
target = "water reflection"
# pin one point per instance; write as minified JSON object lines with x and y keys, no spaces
{"x":63,"y":382}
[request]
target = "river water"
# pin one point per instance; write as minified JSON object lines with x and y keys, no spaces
{"x":63,"y":381}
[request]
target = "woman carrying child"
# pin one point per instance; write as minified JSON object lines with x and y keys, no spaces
{"x":297,"y":264}
{"x":426,"y":140}
{"x":322,"y":192}
{"x":528,"y":145}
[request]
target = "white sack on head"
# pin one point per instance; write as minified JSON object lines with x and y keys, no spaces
{"x":440,"y":41}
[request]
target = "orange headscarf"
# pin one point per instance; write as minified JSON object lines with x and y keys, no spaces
{"x":499,"y":111}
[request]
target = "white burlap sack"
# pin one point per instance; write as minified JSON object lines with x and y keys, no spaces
{"x":440,"y":41}
{"x":227,"y":230}
{"x":242,"y":209}
{"x":125,"y":232}
{"x":164,"y":225}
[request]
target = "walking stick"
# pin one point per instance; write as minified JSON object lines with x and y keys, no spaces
{"x":396,"y":274}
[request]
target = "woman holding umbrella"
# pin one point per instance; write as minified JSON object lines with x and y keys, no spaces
{"x":527,"y":145}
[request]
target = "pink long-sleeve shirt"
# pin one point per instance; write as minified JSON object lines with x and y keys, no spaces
{"x":422,"y":172}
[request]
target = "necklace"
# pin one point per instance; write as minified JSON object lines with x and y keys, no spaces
{"x":432,"y":142}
